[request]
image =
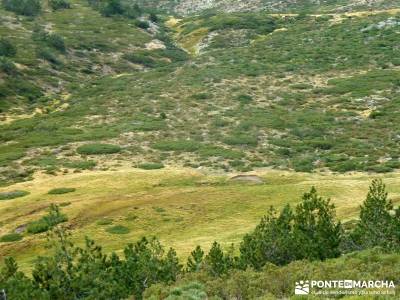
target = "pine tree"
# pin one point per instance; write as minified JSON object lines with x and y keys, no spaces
{"x":378,"y":224}
{"x":215,"y":260}
{"x":271,"y":241}
{"x":171,"y":267}
{"x":195,"y":260}
{"x":316,"y":235}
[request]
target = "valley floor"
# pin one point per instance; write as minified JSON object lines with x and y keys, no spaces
{"x":182,"y":207}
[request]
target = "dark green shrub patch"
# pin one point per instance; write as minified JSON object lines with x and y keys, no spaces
{"x":13,"y":194}
{"x":151,"y":166}
{"x":118,"y":229}
{"x":202,"y":96}
{"x":54,"y":217}
{"x":23,"y":7}
{"x":8,"y":67}
{"x":95,"y":149}
{"x":80,"y":164}
{"x":59,"y":4}
{"x":241,"y":139}
{"x":244,"y":98}
{"x":59,"y":191}
{"x":7,"y":48}
{"x":11,"y":237}
{"x":177,"y":145}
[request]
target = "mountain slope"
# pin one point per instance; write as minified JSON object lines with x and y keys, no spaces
{"x":185,"y":7}
{"x":300,"y":93}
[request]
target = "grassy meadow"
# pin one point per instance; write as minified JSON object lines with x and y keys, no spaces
{"x":182,"y":207}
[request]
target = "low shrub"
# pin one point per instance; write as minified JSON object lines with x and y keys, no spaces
{"x":140,"y":58}
{"x":7,"y":66}
{"x":13,"y":195}
{"x":81,"y":164}
{"x":48,"y":55}
{"x":151,"y":166}
{"x":56,"y":41}
{"x":94,"y":149}
{"x":301,"y":86}
{"x":118,"y":229}
{"x":11,"y":237}
{"x":59,"y":4}
{"x":38,"y":226}
{"x":7,"y":48}
{"x":241,"y":139}
{"x":177,"y":145}
{"x":23,"y":7}
{"x":202,"y":96}
{"x":59,"y":191}
{"x":142,"y":24}
{"x":244,"y":98}
{"x":48,"y":221}
{"x":214,"y":151}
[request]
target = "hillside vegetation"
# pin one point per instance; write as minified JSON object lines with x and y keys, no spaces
{"x":187,"y":120}
{"x":231,"y":92}
{"x":185,"y":7}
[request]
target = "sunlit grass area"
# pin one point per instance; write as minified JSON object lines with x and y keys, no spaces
{"x":182,"y":207}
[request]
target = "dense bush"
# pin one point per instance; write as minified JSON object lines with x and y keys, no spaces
{"x":54,"y":217}
{"x":7,"y":48}
{"x":58,"y":191}
{"x":151,"y":166}
{"x":93,"y":149}
{"x":52,"y":40}
{"x":13,"y":195}
{"x":46,"y":54}
{"x":23,"y":7}
{"x":111,"y":8}
{"x":59,"y":4}
{"x":7,"y":66}
{"x":142,"y":24}
{"x":11,"y":237}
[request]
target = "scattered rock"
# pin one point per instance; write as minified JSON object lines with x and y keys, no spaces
{"x":20,"y":228}
{"x":155,"y":44}
{"x":248,"y":178}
